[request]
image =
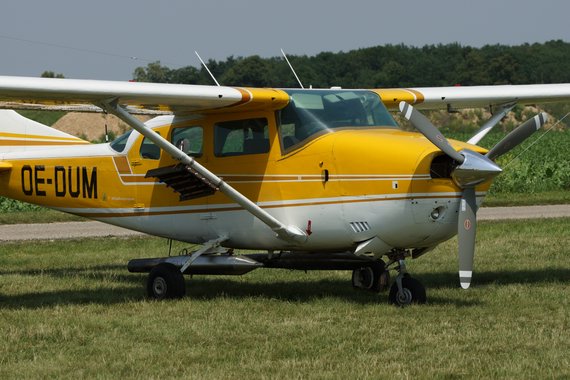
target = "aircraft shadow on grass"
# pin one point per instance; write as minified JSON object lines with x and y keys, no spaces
{"x":112,"y":288}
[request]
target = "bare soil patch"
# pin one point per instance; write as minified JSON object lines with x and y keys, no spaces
{"x":91,"y":126}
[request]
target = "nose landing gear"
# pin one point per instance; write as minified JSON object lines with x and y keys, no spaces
{"x":405,"y":290}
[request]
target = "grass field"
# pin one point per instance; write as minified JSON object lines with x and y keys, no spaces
{"x":70,"y":309}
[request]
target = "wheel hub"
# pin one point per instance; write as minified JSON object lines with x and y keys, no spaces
{"x":159,"y":286}
{"x":404,"y":297}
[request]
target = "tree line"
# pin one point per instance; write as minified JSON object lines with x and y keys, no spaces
{"x":384,"y":66}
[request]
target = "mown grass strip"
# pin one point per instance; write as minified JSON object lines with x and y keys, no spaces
{"x":70,"y":309}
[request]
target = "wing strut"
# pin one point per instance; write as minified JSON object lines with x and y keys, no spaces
{"x":289,"y":233}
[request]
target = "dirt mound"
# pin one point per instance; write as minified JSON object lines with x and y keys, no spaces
{"x":91,"y":126}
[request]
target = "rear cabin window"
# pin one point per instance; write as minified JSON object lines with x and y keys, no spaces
{"x":188,"y":139}
{"x":239,"y":137}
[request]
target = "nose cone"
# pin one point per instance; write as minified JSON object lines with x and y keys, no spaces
{"x":475,"y":169}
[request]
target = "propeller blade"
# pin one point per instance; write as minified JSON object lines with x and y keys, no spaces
{"x":422,"y":124}
{"x":517,"y":136}
{"x":466,"y":230}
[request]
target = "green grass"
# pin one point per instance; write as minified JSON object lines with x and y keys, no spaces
{"x":45,"y":117}
{"x":69,"y":309}
{"x":41,"y":215}
{"x":526,"y":199}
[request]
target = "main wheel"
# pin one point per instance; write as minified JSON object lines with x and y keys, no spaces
{"x":165,"y":282}
{"x":372,"y":277}
{"x":412,"y":292}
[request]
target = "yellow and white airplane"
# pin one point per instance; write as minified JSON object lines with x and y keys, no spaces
{"x":315,"y":179}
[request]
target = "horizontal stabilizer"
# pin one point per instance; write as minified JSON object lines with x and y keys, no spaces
{"x":18,"y":133}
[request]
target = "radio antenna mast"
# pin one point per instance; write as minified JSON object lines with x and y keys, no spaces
{"x":292,"y":69}
{"x":207,"y":69}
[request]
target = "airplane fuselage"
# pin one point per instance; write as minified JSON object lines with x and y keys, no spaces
{"x":341,"y":187}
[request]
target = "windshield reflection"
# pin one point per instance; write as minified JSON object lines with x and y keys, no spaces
{"x":314,"y":112}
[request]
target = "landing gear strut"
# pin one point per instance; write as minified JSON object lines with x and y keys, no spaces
{"x":405,"y":290}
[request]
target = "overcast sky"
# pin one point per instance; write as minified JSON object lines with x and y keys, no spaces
{"x":105,"y":33}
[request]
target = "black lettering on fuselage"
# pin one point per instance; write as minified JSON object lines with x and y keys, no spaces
{"x":27,"y":185}
{"x":89,"y":185}
{"x":73,"y":181}
{"x":74,"y":193}
{"x":59,"y":181}
{"x":39,"y":180}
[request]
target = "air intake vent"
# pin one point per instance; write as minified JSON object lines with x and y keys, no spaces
{"x":359,"y":226}
{"x":442,"y":166}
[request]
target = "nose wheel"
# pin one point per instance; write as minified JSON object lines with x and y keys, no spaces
{"x":405,"y":290}
{"x":410,"y":291}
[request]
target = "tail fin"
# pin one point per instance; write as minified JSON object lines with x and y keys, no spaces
{"x":18,"y":133}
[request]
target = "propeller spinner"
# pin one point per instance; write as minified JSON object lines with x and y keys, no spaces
{"x":471,"y":169}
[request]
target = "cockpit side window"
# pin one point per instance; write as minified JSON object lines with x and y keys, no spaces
{"x":189,"y":140}
{"x":239,"y":137}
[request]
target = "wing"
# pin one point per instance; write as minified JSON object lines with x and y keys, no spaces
{"x":86,"y":95}
{"x":474,"y":96}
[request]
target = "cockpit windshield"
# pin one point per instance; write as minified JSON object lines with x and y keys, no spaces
{"x":312,"y":112}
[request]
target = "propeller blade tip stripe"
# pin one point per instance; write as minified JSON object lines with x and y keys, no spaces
{"x":406,"y":109}
{"x":465,"y":278}
{"x":540,"y":120}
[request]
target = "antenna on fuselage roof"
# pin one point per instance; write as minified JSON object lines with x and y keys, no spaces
{"x":207,"y":69}
{"x":292,"y":69}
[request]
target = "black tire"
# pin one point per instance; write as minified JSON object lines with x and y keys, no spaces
{"x":368,"y":277}
{"x":414,"y":292}
{"x":165,"y":282}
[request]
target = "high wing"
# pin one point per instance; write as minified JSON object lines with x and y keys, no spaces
{"x":474,"y":96}
{"x":138,"y":98}
{"x":156,"y":98}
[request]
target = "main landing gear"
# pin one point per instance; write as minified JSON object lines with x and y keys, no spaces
{"x":375,"y":277}
{"x":165,"y":281}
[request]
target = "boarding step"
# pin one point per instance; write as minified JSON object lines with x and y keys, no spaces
{"x":184,"y":180}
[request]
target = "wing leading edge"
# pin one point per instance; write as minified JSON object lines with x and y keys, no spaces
{"x":474,"y":96}
{"x":71,"y":94}
{"x":86,"y":95}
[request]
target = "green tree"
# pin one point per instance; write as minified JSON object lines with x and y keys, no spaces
{"x":51,"y":74}
{"x":153,"y":72}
